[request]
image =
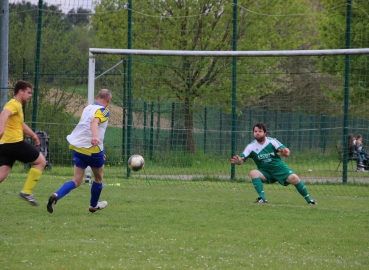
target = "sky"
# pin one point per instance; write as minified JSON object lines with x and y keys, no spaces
{"x":65,"y":5}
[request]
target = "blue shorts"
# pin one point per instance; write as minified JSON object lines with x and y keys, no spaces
{"x":94,"y":161}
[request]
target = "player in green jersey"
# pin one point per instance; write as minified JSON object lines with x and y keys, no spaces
{"x":265,"y":152}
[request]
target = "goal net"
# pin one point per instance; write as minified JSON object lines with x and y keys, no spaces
{"x":188,"y":112}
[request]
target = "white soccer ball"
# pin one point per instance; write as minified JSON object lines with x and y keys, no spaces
{"x":136,"y":163}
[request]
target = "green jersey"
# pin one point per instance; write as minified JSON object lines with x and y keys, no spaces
{"x":265,"y":155}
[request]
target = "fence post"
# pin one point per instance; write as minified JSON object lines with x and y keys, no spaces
{"x":346,"y":91}
{"x":205,"y":126}
{"x":151,"y":144}
{"x":4,"y":51}
{"x":250,"y":132}
{"x":37,"y":65}
{"x":311,"y":132}
{"x":220,"y":131}
{"x":172,"y":127}
{"x":322,"y":133}
{"x":124,"y":108}
{"x":289,"y":130}
{"x":299,"y":139}
{"x":145,"y":125}
{"x":234,"y":88}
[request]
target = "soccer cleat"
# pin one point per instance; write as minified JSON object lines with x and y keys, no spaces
{"x":51,"y":203}
{"x":360,"y":169}
{"x":88,"y":179}
{"x":29,"y":198}
{"x":312,"y":202}
{"x":99,"y":206}
{"x":260,"y":200}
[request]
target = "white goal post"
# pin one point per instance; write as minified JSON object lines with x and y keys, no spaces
{"x":93,"y":51}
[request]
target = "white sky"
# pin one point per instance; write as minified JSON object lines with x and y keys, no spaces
{"x":65,"y":5}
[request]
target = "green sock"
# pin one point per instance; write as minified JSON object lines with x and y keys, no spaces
{"x":258,"y":185}
{"x":303,"y":191}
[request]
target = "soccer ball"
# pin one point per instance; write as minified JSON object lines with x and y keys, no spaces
{"x":136,"y":163}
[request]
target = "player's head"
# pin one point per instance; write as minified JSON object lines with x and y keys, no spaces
{"x":260,"y":132}
{"x":105,"y":96}
{"x":21,"y":85}
{"x":23,"y":91}
{"x":359,"y":137}
{"x":260,"y":126}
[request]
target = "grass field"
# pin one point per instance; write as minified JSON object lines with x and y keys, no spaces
{"x":169,"y":227}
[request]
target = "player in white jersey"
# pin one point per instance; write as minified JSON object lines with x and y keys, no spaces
{"x":87,"y":143}
{"x":266,"y":153}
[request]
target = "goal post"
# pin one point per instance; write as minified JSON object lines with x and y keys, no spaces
{"x":295,"y":121}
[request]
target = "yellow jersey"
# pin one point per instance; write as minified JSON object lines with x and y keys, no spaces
{"x":14,"y":126}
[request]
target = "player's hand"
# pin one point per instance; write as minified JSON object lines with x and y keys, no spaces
{"x":36,"y":140}
{"x":236,"y":160}
{"x":284,"y":151}
{"x":95,"y":141}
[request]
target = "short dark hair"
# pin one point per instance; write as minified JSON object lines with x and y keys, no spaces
{"x":104,"y":94}
{"x":261,"y":126}
{"x":21,"y":85}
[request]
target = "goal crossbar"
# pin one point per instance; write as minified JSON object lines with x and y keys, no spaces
{"x":230,"y":53}
{"x":281,"y":53}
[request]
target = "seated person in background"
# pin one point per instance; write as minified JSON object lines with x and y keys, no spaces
{"x":359,"y":147}
{"x":352,"y":151}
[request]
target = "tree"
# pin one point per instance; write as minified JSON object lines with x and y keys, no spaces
{"x":63,"y":47}
{"x":201,"y":25}
{"x":333,"y":34}
{"x":79,"y":16}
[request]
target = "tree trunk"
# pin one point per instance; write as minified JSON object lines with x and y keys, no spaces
{"x":190,"y":139}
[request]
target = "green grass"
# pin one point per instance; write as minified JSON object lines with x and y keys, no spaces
{"x":181,"y":227}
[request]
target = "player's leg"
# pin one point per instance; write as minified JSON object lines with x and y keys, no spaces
{"x":34,"y":173}
{"x":65,"y":188}
{"x":4,"y":171}
{"x":29,"y":154}
{"x":257,"y":179}
{"x":300,"y":186}
{"x":97,"y":165}
{"x":6,"y":162}
{"x":70,"y":185}
{"x":79,"y":169}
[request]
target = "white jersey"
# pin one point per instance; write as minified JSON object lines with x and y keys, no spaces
{"x":81,"y":136}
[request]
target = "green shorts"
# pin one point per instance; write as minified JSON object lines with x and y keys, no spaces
{"x":279,"y":175}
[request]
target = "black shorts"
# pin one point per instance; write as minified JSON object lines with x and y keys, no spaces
{"x":22,"y":151}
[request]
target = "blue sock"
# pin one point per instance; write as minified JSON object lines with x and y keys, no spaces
{"x":96,"y":189}
{"x":65,"y":189}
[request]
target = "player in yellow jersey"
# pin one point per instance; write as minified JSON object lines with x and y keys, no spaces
{"x":12,"y":144}
{"x":87,"y":144}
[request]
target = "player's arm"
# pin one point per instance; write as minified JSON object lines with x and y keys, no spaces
{"x":101,"y":115}
{"x":94,"y":130}
{"x":3,"y":119}
{"x":28,"y":131}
